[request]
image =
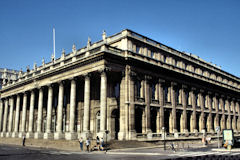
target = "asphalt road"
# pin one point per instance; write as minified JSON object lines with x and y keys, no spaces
{"x":10,"y":152}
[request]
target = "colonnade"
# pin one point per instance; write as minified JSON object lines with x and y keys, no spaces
{"x":17,"y":111}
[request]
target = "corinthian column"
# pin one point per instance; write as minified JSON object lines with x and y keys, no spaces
{"x":24,"y":111}
{"x":161,"y":103}
{"x":184,"y":104}
{"x":202,"y":126}
{"x":5,"y":118}
{"x":131,"y":107}
{"x":72,"y":134}
{"x":31,"y":112}
{"x":1,"y":113}
{"x":10,"y":117}
{"x":48,"y":134}
{"x":59,"y":133}
{"x":15,"y":133}
{"x":103,"y":101}
{"x":122,"y":131}
{"x":174,"y":116}
{"x":194,"y":116}
{"x":86,"y":117}
{"x":39,"y":134}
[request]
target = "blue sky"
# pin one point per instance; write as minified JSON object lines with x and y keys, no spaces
{"x":209,"y":29}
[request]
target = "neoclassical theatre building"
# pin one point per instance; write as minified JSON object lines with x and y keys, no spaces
{"x":130,"y":85}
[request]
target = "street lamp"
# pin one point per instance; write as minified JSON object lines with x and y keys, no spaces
{"x":164,"y":142}
{"x":106,"y":138}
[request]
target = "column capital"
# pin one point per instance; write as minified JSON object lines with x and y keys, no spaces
{"x":62,"y":82}
{"x":73,"y":78}
{"x":87,"y":75}
{"x":216,"y":94}
{"x":173,"y":84}
{"x":209,"y":92}
{"x":184,"y":86}
{"x":132,"y":74}
{"x":161,"y":80}
{"x":201,"y":91}
{"x":50,"y":85}
{"x":105,"y":69}
{"x":193,"y":89}
{"x":147,"y":77}
{"x":41,"y":87}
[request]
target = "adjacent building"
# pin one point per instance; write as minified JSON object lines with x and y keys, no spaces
{"x":7,"y":75}
{"x":127,"y":84}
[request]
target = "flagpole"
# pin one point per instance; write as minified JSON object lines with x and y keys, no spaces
{"x":54,"y":42}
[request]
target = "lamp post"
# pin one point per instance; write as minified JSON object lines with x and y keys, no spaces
{"x":164,"y":142}
{"x":106,"y":138}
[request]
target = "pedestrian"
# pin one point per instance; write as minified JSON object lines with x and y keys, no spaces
{"x":98,"y":142}
{"x":81,"y":143}
{"x":23,"y":140}
{"x":172,"y":147}
{"x":88,"y":144}
{"x":101,"y":144}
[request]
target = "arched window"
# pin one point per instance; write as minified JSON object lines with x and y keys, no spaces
{"x":98,"y":122}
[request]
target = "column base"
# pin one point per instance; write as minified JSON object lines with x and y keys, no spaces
{"x":59,"y":135}
{"x":15,"y":135}
{"x":175,"y":133}
{"x":30,"y":135}
{"x":132,"y":135}
{"x":186,"y":133}
{"x":203,"y":131}
{"x":195,"y":131}
{"x":48,"y":136}
{"x":212,"y":131}
{"x":3,"y":134}
{"x":21,"y":134}
{"x":235,"y":131}
{"x":38,"y":135}
{"x":121,"y":136}
{"x":8,"y":134}
{"x":149,"y":135}
{"x":71,"y":136}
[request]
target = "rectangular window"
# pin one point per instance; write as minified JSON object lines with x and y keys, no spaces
{"x":187,"y":97}
{"x":177,"y":96}
{"x":166,"y":94}
{"x":152,"y":54}
{"x":137,"y":49}
{"x":196,"y":100}
{"x":138,"y":88}
{"x":153,"y":91}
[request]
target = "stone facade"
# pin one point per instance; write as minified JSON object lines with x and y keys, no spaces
{"x":128,"y":84}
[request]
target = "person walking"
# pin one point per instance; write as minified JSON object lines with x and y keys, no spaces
{"x":81,"y":143}
{"x":23,"y":141}
{"x":88,"y":144}
{"x":98,"y":142}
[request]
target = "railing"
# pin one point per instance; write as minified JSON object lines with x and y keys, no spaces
{"x":155,"y":135}
{"x":141,"y":135}
{"x":154,"y":101}
{"x":139,"y":99}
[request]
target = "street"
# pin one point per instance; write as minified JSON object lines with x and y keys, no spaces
{"x":10,"y":152}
